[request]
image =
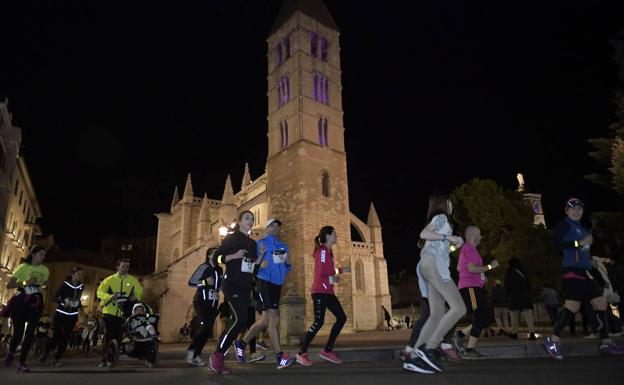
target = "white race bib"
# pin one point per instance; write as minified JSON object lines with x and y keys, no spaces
{"x":247,"y":266}
{"x":31,"y":289}
{"x":213,"y":295}
{"x":279,"y":258}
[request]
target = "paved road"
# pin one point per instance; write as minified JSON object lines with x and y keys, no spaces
{"x":575,"y":370}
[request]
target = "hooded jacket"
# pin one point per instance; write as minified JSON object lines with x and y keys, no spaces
{"x":68,"y":297}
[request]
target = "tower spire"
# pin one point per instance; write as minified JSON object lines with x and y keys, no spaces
{"x":228,"y":192}
{"x":373,"y":219}
{"x":188,"y":188}
{"x":176,"y":197}
{"x":246,"y":176}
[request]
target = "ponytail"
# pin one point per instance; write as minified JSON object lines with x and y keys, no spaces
{"x":321,"y":238}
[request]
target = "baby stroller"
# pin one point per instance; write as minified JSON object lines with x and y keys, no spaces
{"x":139,"y":337}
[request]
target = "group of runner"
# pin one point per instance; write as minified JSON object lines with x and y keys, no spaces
{"x":264,"y":265}
{"x":445,"y":303}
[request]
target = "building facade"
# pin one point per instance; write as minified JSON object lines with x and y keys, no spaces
{"x":305,"y":185}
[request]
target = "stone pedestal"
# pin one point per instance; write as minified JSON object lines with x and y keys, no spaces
{"x":292,"y":316}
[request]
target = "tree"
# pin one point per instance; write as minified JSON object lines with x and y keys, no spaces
{"x":507,"y":228}
{"x":609,"y":151}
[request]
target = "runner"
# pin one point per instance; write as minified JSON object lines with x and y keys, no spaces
{"x":323,"y":297}
{"x":471,"y":282}
{"x":68,"y":299}
{"x":117,"y":293}
{"x":274,"y":266}
{"x":239,"y":254}
{"x":26,"y":306}
{"x":574,"y":241}
{"x":207,"y":279}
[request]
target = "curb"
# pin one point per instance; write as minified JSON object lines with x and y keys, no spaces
{"x":388,"y":354}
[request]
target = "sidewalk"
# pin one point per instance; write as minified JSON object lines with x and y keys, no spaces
{"x":386,"y":345}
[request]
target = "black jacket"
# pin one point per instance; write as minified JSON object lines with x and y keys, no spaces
{"x":201,"y":274}
{"x":70,"y":292}
{"x":518,"y":290}
{"x":234,"y":280}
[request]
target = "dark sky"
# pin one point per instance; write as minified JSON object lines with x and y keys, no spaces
{"x":119,"y":101}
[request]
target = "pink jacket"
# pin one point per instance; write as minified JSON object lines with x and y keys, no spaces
{"x":323,"y":269}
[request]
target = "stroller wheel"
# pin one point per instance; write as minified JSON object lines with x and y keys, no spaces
{"x":112,"y":352}
{"x":151,"y":356}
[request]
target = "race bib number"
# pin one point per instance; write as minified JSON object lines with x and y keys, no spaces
{"x":213,"y":295}
{"x":279,"y":258}
{"x":31,"y":289}
{"x":247,"y":266}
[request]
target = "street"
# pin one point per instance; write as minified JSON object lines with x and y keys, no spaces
{"x":574,"y":370}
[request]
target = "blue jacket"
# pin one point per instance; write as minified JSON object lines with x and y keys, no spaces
{"x":274,"y":272}
{"x":574,"y":255}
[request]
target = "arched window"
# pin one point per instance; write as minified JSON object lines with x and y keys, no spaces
{"x":326,"y":99}
{"x":320,"y":131}
{"x":359,"y":275}
{"x":280,"y":55}
{"x":279,"y":93}
{"x":325,"y":140}
{"x":284,"y":133}
{"x":325,"y":178}
{"x":314,"y":44}
{"x":287,"y":93}
{"x":324,"y":49}
{"x":287,"y":47}
{"x":316,"y":87}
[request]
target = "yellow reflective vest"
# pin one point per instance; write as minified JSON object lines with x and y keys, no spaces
{"x":125,"y":286}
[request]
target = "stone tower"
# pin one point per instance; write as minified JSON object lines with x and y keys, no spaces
{"x":306,"y":165}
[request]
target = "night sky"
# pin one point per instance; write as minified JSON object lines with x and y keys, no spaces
{"x":119,"y":101}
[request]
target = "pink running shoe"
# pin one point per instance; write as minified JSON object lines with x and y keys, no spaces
{"x":450,"y":355}
{"x":303,"y":359}
{"x":217,"y":365}
{"x":330,"y":356}
{"x":22,"y":368}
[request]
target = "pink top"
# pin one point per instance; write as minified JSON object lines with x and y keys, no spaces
{"x":469,"y":254}
{"x":323,"y":269}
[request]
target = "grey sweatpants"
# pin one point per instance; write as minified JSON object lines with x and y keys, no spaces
{"x":440,"y":321}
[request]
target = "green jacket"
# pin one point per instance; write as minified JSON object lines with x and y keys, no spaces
{"x":125,"y":286}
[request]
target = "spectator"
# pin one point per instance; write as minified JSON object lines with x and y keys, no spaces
{"x":550,"y":300}
{"x":518,"y":290}
{"x":499,"y":301}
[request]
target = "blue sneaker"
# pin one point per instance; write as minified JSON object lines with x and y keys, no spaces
{"x":284,"y":360}
{"x":239,"y":346}
{"x":553,"y":348}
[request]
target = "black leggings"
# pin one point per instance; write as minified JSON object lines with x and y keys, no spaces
{"x":26,"y":309}
{"x":322,"y":302}
{"x":62,"y":330}
{"x":112,"y":331}
{"x":206,"y":315}
{"x":239,"y":304}
{"x":424,"y":316}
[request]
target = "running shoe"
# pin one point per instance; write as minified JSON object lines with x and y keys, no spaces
{"x":239,"y":347}
{"x":621,"y":332}
{"x":22,"y":368}
{"x":532,"y":337}
{"x":8,"y":359}
{"x":404,"y":354}
{"x":473,"y":354}
{"x":303,"y":359}
{"x":255,"y":357}
{"x":217,"y":365}
{"x":553,"y":348}
{"x":197,"y":361}
{"x":414,"y":363}
{"x":458,"y":341}
{"x":103,"y":364}
{"x":449,"y":354}
{"x":430,"y":357}
{"x":262,"y":345}
{"x":57,"y":363}
{"x":190,"y":354}
{"x":284,"y":361}
{"x":611,"y":349}
{"x":330,"y":356}
{"x":592,"y":336}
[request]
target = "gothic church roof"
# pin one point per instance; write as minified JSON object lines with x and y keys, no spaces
{"x":313,"y":8}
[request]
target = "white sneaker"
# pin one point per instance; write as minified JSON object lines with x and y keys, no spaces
{"x":592,"y":336}
{"x":197,"y":361}
{"x":189,"y":356}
